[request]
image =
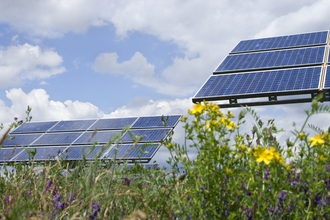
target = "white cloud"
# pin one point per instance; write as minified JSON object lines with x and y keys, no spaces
{"x":44,"y":109}
{"x":307,"y":19}
{"x":142,"y":106}
{"x":141,"y":72}
{"x":205,"y":32}
{"x":27,"y":62}
{"x":43,"y":83}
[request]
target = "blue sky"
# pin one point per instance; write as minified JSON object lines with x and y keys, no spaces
{"x":93,"y":59}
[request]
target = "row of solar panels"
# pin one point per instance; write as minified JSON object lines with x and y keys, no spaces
{"x":273,"y":43}
{"x":271,"y":81}
{"x":99,"y":124}
{"x":82,"y":138}
{"x":122,"y":151}
{"x":273,"y":59}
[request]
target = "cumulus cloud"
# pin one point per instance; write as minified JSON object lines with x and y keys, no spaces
{"x":309,"y":18}
{"x":27,"y":62}
{"x":140,"y":71}
{"x":204,"y":39}
{"x":43,"y":108}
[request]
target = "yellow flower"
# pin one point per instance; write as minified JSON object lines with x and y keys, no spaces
{"x":316,"y":141}
{"x":265,"y":156}
{"x":228,"y":171}
{"x":198,"y":109}
{"x":183,"y":119}
{"x":301,"y":136}
{"x":288,"y":167}
{"x":321,"y":158}
{"x":243,"y":147}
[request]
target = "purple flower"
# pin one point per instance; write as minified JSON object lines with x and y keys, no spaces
{"x":15,"y":118}
{"x":328,"y":169}
{"x":267,"y":173}
{"x":28,"y":192}
{"x":48,"y":186}
{"x":126,"y":181}
{"x":30,"y":118}
{"x":20,"y":122}
{"x":188,"y":198}
{"x":96,"y":209}
{"x":72,"y":198}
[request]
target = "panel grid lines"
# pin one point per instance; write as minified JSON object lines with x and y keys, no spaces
{"x":262,"y":82}
{"x":270,"y":59}
{"x":274,"y":43}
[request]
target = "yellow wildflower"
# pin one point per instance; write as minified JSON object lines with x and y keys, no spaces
{"x":316,"y":141}
{"x":243,"y":147}
{"x":228,"y":171}
{"x":321,"y":158}
{"x":288,"y":167}
{"x":301,"y":136}
{"x":265,"y":156}
{"x":183,"y":119}
{"x":198,"y":109}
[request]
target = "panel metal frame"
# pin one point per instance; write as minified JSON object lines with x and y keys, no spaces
{"x":215,"y":72}
{"x":280,"y":48}
{"x":273,"y":96}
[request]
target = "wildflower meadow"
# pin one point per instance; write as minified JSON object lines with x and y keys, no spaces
{"x":234,"y":176}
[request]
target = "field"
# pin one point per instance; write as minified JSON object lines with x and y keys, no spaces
{"x":235,"y":176}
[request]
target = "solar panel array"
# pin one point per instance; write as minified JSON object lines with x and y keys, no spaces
{"x":270,"y":67}
{"x":72,"y":139}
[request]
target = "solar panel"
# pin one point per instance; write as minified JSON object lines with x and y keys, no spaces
{"x":77,"y":125}
{"x":76,"y":152}
{"x":64,"y":138}
{"x":272,"y":59}
{"x":261,"y":82}
{"x":125,"y":151}
{"x":327,"y":78}
{"x":8,"y":153}
{"x":156,"y":121}
{"x":69,"y":138}
{"x":299,"y":40}
{"x":34,"y":127}
{"x":90,"y":137}
{"x":148,"y":135}
{"x":20,"y":139}
{"x":113,"y":123}
{"x":42,"y":153}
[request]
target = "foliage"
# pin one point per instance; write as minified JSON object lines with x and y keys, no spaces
{"x":234,"y":176}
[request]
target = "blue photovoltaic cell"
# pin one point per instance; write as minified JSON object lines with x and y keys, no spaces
{"x":113,"y":123}
{"x":298,"y":40}
{"x":327,"y":78}
{"x":272,"y":59}
{"x":99,"y":136}
{"x":65,"y":138}
{"x":156,"y":121}
{"x":76,"y":152}
{"x":78,"y":125}
{"x":20,"y":139}
{"x":142,"y":151}
{"x":261,"y":82}
{"x":43,"y":153}
{"x":147,"y":135}
{"x":9,"y":153}
{"x":31,"y":127}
